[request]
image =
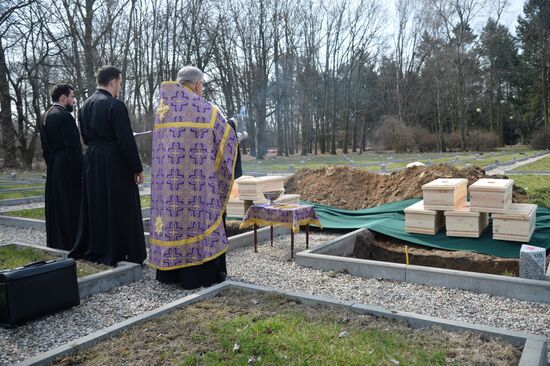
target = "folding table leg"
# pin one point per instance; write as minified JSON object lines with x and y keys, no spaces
{"x":255,"y":238}
{"x":291,"y":243}
{"x":307,"y":236}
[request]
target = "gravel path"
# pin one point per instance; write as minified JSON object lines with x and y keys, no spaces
{"x":503,"y":168}
{"x":269,"y":267}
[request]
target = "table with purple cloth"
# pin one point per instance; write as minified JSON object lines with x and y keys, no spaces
{"x":287,"y":215}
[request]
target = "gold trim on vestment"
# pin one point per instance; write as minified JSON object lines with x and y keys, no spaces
{"x":182,"y":124}
{"x":219,"y":154}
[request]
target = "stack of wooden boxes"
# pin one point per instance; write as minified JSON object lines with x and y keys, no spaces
{"x":248,"y":188}
{"x":448,"y":198}
{"x":426,"y":216}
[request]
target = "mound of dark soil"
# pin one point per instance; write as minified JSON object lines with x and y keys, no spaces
{"x":352,"y":188}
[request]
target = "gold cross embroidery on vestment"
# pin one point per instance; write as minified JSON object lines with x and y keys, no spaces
{"x":162,"y":109}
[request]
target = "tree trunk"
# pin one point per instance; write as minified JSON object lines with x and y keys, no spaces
{"x":6,"y":123}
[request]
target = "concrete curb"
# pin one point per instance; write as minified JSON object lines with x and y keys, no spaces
{"x":23,"y":223}
{"x":21,"y":201}
{"x":124,"y":273}
{"x":527,"y":172}
{"x":534,"y":347}
{"x":11,"y":190}
{"x":331,"y":257}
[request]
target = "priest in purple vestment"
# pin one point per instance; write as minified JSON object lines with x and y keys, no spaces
{"x":194,"y":155}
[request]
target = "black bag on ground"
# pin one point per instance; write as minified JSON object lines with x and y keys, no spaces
{"x":39,"y":288}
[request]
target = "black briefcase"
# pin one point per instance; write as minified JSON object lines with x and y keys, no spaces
{"x":39,"y":288}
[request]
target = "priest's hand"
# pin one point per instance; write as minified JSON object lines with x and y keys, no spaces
{"x":139,"y":178}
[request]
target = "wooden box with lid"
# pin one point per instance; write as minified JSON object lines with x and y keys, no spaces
{"x":419,"y":220}
{"x":463,"y":222}
{"x":517,"y":223}
{"x":491,"y":195}
{"x":445,"y":194}
{"x":251,"y":188}
{"x":237,"y":208}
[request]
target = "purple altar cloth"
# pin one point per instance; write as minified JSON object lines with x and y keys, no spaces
{"x":288,"y":215}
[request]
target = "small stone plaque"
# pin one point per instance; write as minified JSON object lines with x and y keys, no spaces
{"x":532,"y":262}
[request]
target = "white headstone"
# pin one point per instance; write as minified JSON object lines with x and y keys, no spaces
{"x":532,"y":262}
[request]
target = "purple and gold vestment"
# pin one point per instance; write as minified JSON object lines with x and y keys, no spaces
{"x":193,"y":158}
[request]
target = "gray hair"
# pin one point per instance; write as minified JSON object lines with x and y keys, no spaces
{"x":190,"y":75}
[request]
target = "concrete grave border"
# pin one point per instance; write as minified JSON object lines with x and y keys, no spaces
{"x":331,"y":256}
{"x":21,"y":201}
{"x":23,"y":222}
{"x":123,"y":274}
{"x":34,"y":224}
{"x":11,"y":190}
{"x":533,"y":352}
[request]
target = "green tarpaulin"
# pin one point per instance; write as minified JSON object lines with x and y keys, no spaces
{"x":389,"y":220}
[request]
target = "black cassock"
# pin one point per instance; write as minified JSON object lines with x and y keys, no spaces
{"x":63,"y":154}
{"x":111,"y":227}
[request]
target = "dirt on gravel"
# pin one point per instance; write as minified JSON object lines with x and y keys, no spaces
{"x":353,"y":188}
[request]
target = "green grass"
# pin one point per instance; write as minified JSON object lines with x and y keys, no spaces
{"x":13,"y":186}
{"x":279,"y":338}
{"x":536,"y":186}
{"x":319,"y":161}
{"x":21,"y":194}
{"x":31,"y":213}
{"x":541,"y":164}
{"x":13,"y":256}
{"x":145,"y":201}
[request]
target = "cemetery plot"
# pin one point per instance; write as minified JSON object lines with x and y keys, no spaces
{"x":13,"y":256}
{"x":239,"y":328}
{"x":363,"y":253}
{"x":386,"y":249}
{"x":92,"y":277}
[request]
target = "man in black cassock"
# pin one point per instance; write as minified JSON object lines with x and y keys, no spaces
{"x":111,"y":227}
{"x":63,"y":155}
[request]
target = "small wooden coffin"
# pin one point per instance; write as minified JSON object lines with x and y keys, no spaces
{"x":419,"y":220}
{"x":235,"y":187}
{"x":445,"y":194}
{"x":517,"y":223}
{"x":236,"y":207}
{"x":491,"y":195}
{"x":465,"y":223}
{"x":252,"y":188}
